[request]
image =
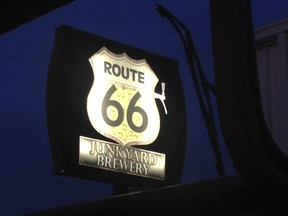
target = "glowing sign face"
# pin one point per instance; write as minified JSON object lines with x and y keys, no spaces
{"x":121,"y":103}
{"x":121,"y":106}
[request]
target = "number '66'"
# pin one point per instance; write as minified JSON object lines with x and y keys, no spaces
{"x":132,"y":108}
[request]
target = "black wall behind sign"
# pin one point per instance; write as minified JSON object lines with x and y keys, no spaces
{"x":69,"y":81}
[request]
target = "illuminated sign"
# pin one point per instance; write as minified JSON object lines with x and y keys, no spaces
{"x":115,"y":113}
{"x":121,"y":106}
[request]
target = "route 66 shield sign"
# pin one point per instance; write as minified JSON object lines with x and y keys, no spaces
{"x":121,"y":103}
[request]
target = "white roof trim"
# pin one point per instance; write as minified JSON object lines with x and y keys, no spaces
{"x":272,"y":29}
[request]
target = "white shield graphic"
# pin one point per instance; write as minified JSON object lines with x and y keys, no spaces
{"x":121,"y":103}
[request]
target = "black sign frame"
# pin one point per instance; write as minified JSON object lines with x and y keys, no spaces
{"x":69,"y":80}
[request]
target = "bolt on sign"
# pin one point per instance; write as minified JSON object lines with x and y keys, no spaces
{"x":115,"y":113}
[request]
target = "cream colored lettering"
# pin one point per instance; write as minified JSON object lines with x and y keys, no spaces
{"x":138,"y":168}
{"x":135,"y":156}
{"x":92,"y":148}
{"x":128,"y":152}
{"x":99,"y":146}
{"x":152,"y":159}
{"x":146,"y":168}
{"x":132,"y":167}
{"x":108,"y":162}
{"x":144,"y":157}
{"x":100,"y":160}
{"x":115,"y":164}
{"x":123,"y":164}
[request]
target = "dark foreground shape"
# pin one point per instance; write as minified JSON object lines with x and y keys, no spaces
{"x":223,"y":196}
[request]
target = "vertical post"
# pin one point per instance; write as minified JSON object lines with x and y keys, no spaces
{"x":236,"y":80}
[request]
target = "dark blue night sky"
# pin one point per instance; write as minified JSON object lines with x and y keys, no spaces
{"x":27,"y":183}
